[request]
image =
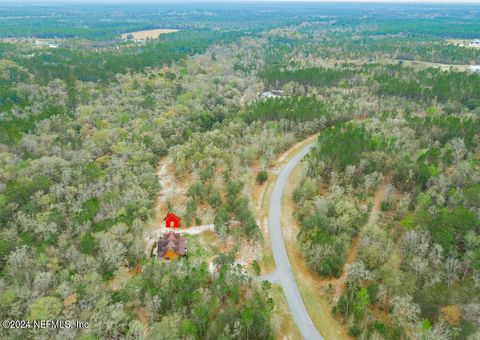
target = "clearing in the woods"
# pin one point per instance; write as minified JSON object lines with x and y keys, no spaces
{"x":143,"y":35}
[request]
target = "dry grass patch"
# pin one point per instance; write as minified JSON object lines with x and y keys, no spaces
{"x":445,"y":67}
{"x":283,"y":325}
{"x":261,"y":197}
{"x":202,"y":247}
{"x":143,"y":35}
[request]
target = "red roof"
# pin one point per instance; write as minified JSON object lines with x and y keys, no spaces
{"x":170,"y":216}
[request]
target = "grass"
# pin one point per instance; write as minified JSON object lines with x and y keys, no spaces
{"x":283,"y":325}
{"x":266,"y":262}
{"x":202,"y":247}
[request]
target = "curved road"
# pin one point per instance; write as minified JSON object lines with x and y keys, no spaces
{"x":283,"y":273}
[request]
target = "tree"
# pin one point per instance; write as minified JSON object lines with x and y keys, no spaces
{"x":405,"y":312}
{"x":362,"y":299}
{"x":262,"y":176}
{"x":170,"y":327}
{"x":357,"y":273}
{"x":439,"y":331}
{"x":42,"y":282}
{"x":112,"y":254}
{"x":45,"y":308}
{"x":20,"y":266}
{"x":256,"y":267}
{"x":431,"y":299}
{"x":221,"y":218}
{"x":188,"y":329}
{"x":452,"y":270}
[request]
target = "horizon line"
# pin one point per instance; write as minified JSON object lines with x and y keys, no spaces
{"x":99,"y":2}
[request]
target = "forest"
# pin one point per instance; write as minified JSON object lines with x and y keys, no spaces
{"x":97,"y":133}
{"x":424,"y":247}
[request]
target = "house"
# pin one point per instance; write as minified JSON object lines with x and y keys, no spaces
{"x":171,"y":246}
{"x":276,"y":92}
{"x":474,"y":68}
{"x":475,"y":43}
{"x":172,"y":221}
{"x":272,"y":94}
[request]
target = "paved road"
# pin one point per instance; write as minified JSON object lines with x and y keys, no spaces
{"x":283,"y":270}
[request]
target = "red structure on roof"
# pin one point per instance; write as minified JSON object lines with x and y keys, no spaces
{"x":172,"y":221}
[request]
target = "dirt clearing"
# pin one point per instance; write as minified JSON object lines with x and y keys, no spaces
{"x":143,"y":35}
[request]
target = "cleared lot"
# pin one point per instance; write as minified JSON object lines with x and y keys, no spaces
{"x":142,"y":35}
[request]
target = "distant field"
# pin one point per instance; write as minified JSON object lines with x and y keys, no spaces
{"x":473,"y":43}
{"x":31,"y":39}
{"x":444,"y":67}
{"x":142,"y":35}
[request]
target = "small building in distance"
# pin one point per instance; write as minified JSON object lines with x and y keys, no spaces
{"x":272,"y":94}
{"x":171,"y":246}
{"x":475,"y":43}
{"x":474,"y":68}
{"x":172,"y":221}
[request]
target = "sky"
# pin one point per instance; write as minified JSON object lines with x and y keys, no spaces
{"x":13,"y":2}
{"x":44,"y":2}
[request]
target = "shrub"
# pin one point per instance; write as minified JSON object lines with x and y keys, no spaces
{"x":355,"y":330}
{"x":88,"y":244}
{"x":372,"y":292}
{"x":256,"y":267}
{"x":262,"y":177}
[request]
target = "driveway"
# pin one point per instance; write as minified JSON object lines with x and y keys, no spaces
{"x":283,"y":273}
